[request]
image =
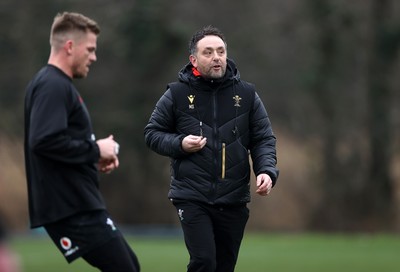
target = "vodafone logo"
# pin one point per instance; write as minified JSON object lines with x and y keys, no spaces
{"x":65,"y":243}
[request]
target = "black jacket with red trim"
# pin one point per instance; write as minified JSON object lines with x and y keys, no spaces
{"x":230,"y":114}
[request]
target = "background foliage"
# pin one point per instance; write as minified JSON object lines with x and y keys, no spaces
{"x":328,"y":72}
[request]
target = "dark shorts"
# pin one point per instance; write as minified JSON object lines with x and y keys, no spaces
{"x":79,"y":234}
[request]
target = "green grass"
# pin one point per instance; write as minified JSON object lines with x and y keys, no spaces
{"x":259,"y":253}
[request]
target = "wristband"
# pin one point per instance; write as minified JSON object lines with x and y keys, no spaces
{"x":116,"y":148}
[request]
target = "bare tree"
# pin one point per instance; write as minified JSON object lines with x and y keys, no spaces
{"x":385,"y":42}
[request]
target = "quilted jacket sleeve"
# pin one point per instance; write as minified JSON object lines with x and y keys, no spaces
{"x":263,"y":141}
{"x":160,"y":133}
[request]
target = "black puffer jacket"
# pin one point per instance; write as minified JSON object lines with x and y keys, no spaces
{"x":230,"y":114}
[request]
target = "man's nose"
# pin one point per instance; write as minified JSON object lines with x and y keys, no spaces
{"x":216,"y":57}
{"x":93,"y":57}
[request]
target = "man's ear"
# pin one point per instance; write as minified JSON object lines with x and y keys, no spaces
{"x":68,"y":45}
{"x":193,"y":60}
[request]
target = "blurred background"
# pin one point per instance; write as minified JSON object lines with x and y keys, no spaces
{"x":328,"y":72}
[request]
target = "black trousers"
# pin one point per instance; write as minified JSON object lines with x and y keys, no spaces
{"x":113,"y":256}
{"x":213,"y":235}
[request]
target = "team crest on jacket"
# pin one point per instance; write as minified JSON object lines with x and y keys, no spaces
{"x":191,"y":101}
{"x":237,"y":99}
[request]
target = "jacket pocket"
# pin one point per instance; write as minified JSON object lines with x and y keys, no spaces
{"x":175,"y":168}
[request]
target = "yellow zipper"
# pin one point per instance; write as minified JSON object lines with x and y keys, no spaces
{"x":223,"y":161}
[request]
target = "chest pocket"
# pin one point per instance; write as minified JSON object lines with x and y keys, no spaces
{"x":187,"y":114}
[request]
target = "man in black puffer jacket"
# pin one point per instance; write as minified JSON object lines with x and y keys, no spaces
{"x":208,"y":123}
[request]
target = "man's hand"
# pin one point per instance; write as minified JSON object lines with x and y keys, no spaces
{"x":108,"y":154}
{"x":192,"y":143}
{"x":107,"y":166}
{"x":107,"y":148}
{"x":264,"y":184}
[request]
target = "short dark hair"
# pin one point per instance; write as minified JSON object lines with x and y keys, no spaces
{"x":200,"y":34}
{"x":70,"y":22}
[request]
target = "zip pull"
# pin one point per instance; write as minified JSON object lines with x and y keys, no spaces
{"x":201,"y":129}
{"x":223,"y":161}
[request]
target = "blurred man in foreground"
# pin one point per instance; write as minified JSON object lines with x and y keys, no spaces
{"x":63,"y":157}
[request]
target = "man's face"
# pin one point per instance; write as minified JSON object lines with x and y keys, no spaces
{"x":84,"y":54}
{"x":210,"y":58}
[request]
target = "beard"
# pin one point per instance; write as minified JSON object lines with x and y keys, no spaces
{"x":77,"y":75}
{"x":211,"y":74}
{"x":79,"y":72}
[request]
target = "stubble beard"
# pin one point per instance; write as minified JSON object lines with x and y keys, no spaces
{"x":79,"y":73}
{"x":216,"y":75}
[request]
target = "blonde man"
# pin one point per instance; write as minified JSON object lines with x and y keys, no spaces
{"x":63,"y":157}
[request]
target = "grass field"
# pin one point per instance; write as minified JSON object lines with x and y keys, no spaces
{"x":259,"y":253}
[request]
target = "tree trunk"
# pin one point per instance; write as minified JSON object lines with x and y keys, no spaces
{"x":378,"y":191}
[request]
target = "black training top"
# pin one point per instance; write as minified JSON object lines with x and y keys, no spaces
{"x":60,"y":150}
